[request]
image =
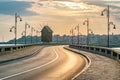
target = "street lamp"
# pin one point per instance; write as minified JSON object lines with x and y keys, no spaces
{"x":90,"y":30}
{"x":16,"y":17}
{"x":89,"y":35}
{"x":81,"y":39}
{"x":86,"y":22}
{"x":15,"y":27}
{"x":23,"y":34}
{"x":37,"y":32}
{"x":108,"y":22}
{"x":77,"y":27}
{"x":11,"y":29}
{"x":111,"y":23}
{"x":72,"y":32}
{"x":26,"y":26}
{"x":32,"y":29}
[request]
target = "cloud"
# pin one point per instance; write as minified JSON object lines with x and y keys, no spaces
{"x":11,"y":7}
{"x":61,"y":15}
{"x":60,"y":8}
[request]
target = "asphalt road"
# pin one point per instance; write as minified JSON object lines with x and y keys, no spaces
{"x":52,"y":63}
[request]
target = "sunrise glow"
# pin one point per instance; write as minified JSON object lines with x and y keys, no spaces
{"x":60,"y":15}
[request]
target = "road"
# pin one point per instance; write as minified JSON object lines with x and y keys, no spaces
{"x":52,"y":63}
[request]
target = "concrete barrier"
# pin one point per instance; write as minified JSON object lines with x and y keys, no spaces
{"x":99,"y":50}
{"x":9,"y":49}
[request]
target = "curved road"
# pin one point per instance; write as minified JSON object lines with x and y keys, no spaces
{"x":101,"y":68}
{"x":52,"y":63}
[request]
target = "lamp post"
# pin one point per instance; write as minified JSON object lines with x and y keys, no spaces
{"x":77,"y":27}
{"x":37,"y":32}
{"x":86,"y":22}
{"x":32,"y":29}
{"x":80,"y":36}
{"x":89,"y":35}
{"x":31,"y":33}
{"x":11,"y":29}
{"x":16,"y":17}
{"x":72,"y":32}
{"x":15,"y":27}
{"x":57,"y":38}
{"x":108,"y":23}
{"x":26,"y":25}
{"x":23,"y":33}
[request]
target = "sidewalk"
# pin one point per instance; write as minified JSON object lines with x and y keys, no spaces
{"x":102,"y":68}
{"x":19,"y":54}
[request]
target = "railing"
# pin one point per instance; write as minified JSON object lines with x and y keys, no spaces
{"x":99,"y":50}
{"x":8,"y":49}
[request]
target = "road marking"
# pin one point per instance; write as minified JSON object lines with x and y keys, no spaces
{"x":85,"y":68}
{"x":7,"y":77}
{"x":88,"y":63}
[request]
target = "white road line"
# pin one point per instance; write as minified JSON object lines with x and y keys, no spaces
{"x":86,"y":65}
{"x":85,"y":68}
{"x":7,"y":77}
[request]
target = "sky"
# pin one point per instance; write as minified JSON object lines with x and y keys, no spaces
{"x":60,"y":15}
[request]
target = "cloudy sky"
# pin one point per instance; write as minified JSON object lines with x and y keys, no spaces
{"x":60,"y":15}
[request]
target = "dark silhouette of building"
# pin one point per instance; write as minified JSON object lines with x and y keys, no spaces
{"x":46,"y":34}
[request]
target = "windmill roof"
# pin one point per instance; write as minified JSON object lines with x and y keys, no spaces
{"x":47,"y":28}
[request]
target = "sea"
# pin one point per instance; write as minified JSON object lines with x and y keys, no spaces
{"x":9,"y":44}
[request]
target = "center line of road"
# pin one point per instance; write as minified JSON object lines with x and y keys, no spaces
{"x":7,"y":77}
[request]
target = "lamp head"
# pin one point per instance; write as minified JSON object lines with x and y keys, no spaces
{"x":20,"y":19}
{"x":114,"y":27}
{"x":102,"y":14}
{"x":10,"y":30}
{"x":83,"y":23}
{"x":29,"y":26}
{"x":92,"y":33}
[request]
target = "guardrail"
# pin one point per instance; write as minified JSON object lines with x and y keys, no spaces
{"x":99,"y":50}
{"x":8,"y":49}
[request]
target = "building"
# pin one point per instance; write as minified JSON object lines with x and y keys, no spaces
{"x":46,"y":34}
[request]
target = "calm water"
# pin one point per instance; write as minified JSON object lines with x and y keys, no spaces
{"x":9,"y":44}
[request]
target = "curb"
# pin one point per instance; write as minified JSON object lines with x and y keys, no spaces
{"x":88,"y":59}
{"x":86,"y":66}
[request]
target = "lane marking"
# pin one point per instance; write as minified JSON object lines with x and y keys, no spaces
{"x":85,"y":68}
{"x":87,"y":60}
{"x":7,"y":77}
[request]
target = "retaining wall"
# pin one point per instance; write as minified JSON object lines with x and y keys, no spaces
{"x":8,"y":49}
{"x":99,"y":50}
